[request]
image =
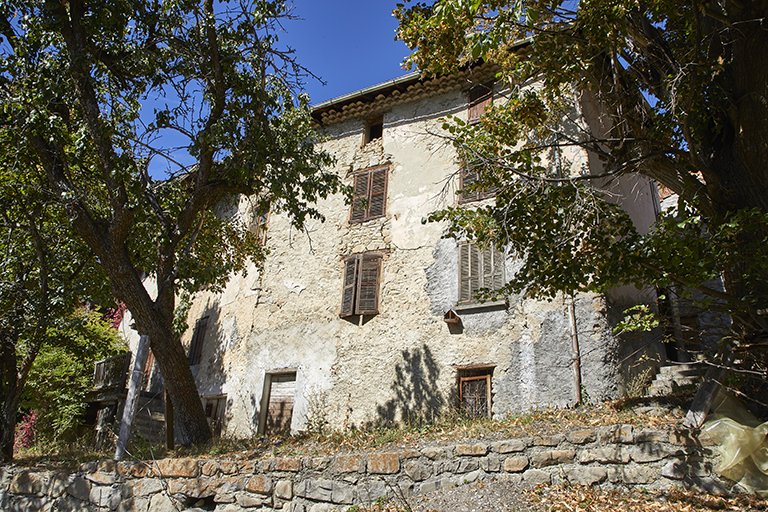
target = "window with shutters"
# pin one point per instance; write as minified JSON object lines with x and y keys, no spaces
{"x":361,"y":285}
{"x":196,"y":345}
{"x":479,"y":268}
{"x":480,"y":97}
{"x":467,"y":178}
{"x":370,"y":195}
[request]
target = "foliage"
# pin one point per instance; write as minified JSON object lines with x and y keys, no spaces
{"x":146,"y":121}
{"x":45,"y":274}
{"x":660,"y":88}
{"x":63,"y":373}
{"x":26,"y":431}
{"x":317,"y":411}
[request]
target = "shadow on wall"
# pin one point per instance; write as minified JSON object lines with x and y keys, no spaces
{"x":210,"y":340}
{"x":417,"y":394}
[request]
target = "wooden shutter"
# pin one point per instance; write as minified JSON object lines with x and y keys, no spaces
{"x":368,"y":285}
{"x":378,"y":193}
{"x":360,"y":200}
{"x":360,"y":295}
{"x":147,"y":373}
{"x":479,"y":98}
{"x":487,"y":256}
{"x":498,"y":270}
{"x":349,"y":288}
{"x":466,"y":179}
{"x":370,"y":195}
{"x":479,"y":269}
{"x":196,"y":345}
{"x":469,"y":272}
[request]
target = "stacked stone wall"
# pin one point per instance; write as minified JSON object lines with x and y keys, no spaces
{"x":619,"y":456}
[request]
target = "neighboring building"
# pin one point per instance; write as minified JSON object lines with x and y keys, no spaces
{"x":370,"y":317}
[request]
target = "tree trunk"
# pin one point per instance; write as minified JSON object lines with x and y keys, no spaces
{"x":10,"y":396}
{"x":156,"y":322}
{"x":107,"y":240}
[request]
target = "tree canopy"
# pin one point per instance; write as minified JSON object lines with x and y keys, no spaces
{"x":142,"y":120}
{"x":681,"y":92}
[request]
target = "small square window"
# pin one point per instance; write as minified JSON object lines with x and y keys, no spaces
{"x":374,"y":128}
{"x":475,"y":390}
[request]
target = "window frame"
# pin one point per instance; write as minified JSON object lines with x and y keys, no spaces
{"x":471,"y":373}
{"x":482,"y":257}
{"x":358,"y":288}
{"x":363,"y":202}
{"x":466,"y":178}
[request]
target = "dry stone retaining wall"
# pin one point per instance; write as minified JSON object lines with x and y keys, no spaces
{"x":615,"y":456}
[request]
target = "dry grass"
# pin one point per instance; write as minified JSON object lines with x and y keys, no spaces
{"x":454,"y":428}
{"x":451,"y":428}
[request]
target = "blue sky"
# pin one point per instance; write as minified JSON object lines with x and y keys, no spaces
{"x":348,"y":43}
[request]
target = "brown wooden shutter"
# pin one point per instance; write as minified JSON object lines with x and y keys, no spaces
{"x":469,"y":272}
{"x":349,"y":288}
{"x":378,"y":193}
{"x":360,"y":200}
{"x":479,"y":98}
{"x":498,"y":270}
{"x":474,"y":270}
{"x":464,"y":274}
{"x":368,"y":285}
{"x":147,"y":373}
{"x":487,"y":256}
{"x":196,"y":345}
{"x":467,"y":178}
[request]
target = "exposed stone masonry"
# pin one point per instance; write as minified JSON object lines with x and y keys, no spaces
{"x":614,"y":456}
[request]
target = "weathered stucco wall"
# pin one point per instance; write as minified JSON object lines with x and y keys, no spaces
{"x":401,"y":363}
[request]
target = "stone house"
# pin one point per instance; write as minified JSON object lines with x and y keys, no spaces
{"x":370,"y":318}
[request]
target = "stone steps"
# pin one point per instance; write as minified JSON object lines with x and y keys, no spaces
{"x":674,"y":378}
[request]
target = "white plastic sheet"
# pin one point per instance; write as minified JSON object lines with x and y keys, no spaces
{"x":741,"y":439}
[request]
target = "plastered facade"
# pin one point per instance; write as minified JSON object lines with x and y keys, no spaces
{"x":401,"y":363}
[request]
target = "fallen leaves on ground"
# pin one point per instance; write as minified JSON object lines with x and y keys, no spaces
{"x":585,"y":499}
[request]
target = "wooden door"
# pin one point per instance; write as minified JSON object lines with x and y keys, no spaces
{"x":280,"y":409}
